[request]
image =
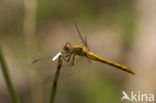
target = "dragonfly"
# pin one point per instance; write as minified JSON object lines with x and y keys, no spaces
{"x":69,"y":52}
{"x":82,"y":50}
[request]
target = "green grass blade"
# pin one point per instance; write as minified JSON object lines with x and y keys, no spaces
{"x":7,"y":78}
{"x":55,"y":82}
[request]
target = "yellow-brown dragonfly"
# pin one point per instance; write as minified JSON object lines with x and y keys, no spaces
{"x":82,"y":50}
{"x":70,"y":51}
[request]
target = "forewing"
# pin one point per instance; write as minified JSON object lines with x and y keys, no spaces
{"x":83,"y":39}
{"x":44,"y":66}
{"x":69,"y":70}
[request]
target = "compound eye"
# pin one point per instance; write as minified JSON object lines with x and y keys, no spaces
{"x":68,"y":44}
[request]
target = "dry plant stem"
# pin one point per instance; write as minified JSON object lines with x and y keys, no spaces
{"x":7,"y":79}
{"x":54,"y":86}
{"x":32,"y":48}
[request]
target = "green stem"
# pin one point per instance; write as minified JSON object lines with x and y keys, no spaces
{"x":7,"y":78}
{"x":54,"y":86}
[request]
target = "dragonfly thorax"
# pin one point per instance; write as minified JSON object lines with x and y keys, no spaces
{"x":79,"y":49}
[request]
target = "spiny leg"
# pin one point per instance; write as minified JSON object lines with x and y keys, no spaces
{"x":68,"y":56}
{"x":63,"y":52}
{"x":73,"y":59}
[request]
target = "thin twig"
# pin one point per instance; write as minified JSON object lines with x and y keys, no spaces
{"x":8,"y":79}
{"x":56,"y":78}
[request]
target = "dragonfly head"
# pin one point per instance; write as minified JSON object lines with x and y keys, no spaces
{"x":67,"y":47}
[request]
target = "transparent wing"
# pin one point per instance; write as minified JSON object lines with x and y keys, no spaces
{"x":83,"y":39}
{"x":43,"y":67}
{"x":47,"y":68}
{"x":69,"y":70}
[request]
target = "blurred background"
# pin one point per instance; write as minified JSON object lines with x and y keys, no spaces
{"x":119,"y":30}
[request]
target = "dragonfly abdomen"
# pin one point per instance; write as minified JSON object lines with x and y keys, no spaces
{"x":93,"y":56}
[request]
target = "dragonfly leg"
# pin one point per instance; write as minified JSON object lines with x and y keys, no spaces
{"x":63,"y":52}
{"x":67,"y":59}
{"x":67,"y":55}
{"x":73,"y":59}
